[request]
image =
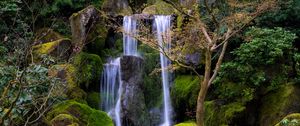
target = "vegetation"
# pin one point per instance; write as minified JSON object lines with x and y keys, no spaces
{"x":246,"y":70}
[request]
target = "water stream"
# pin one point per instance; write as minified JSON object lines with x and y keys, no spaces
{"x":162,"y":25}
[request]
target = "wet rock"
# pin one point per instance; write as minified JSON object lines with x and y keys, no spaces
{"x":133,"y":106}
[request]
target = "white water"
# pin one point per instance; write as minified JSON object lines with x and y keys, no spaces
{"x":162,"y":25}
{"x":111,"y":81}
{"x":130,"y":31}
{"x":111,"y":85}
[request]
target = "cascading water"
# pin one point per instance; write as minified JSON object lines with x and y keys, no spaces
{"x":111,"y":84}
{"x":162,"y":25}
{"x":130,"y":30}
{"x":110,"y":89}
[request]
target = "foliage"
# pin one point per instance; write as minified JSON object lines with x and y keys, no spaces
{"x":262,"y":61}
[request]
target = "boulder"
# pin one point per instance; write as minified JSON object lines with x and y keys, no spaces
{"x":60,"y":49}
{"x":279,"y":103}
{"x":133,"y":106}
{"x":71,"y":112}
{"x":88,"y":27}
{"x":116,"y":7}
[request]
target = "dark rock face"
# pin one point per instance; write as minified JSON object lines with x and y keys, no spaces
{"x":134,"y":110}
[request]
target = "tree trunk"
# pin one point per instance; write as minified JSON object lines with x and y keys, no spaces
{"x":203,"y":90}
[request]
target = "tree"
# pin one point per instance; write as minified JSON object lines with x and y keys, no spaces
{"x":210,"y":26}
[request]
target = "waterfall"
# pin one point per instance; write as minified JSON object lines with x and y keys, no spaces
{"x":110,"y":89}
{"x":162,"y":25}
{"x":111,"y":84}
{"x":130,"y":31}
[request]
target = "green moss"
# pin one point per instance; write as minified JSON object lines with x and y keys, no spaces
{"x":46,"y":35}
{"x":160,"y":7}
{"x":216,"y":115}
{"x":93,"y":99}
{"x":66,"y":72}
{"x":64,"y":119}
{"x":186,"y":124}
{"x":85,"y":114}
{"x":279,"y":103}
{"x":184,"y":95}
{"x":77,"y":94}
{"x":88,"y":68}
{"x":290,"y":120}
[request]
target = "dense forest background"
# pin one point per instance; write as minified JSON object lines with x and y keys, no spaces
{"x":47,"y":77}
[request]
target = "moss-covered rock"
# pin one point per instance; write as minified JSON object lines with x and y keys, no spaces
{"x":184,"y":95}
{"x":189,"y":123}
{"x":88,"y":70}
{"x":44,"y":35}
{"x":116,"y":7}
{"x":217,"y":114}
{"x":93,"y":99}
{"x":60,"y":49}
{"x":64,"y":120}
{"x":74,"y":111}
{"x":290,"y":120}
{"x":160,"y":7}
{"x":279,"y":103}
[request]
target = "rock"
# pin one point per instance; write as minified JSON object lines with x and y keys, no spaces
{"x":88,"y":28}
{"x":46,"y":35}
{"x":93,"y":99}
{"x":133,"y":106}
{"x":290,"y":120}
{"x":160,"y":8}
{"x":186,"y":124}
{"x":116,"y":7}
{"x":60,"y":49}
{"x":277,"y":104}
{"x":77,"y":113}
{"x":64,"y":120}
{"x":184,"y":96}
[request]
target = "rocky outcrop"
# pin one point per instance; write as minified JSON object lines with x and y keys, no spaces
{"x":88,"y":28}
{"x":279,"y":103}
{"x":116,"y":7}
{"x":133,"y":106}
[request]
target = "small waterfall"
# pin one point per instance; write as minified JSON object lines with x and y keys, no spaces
{"x":130,"y":31}
{"x":110,"y":89}
{"x":111,"y":85}
{"x":162,"y":25}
